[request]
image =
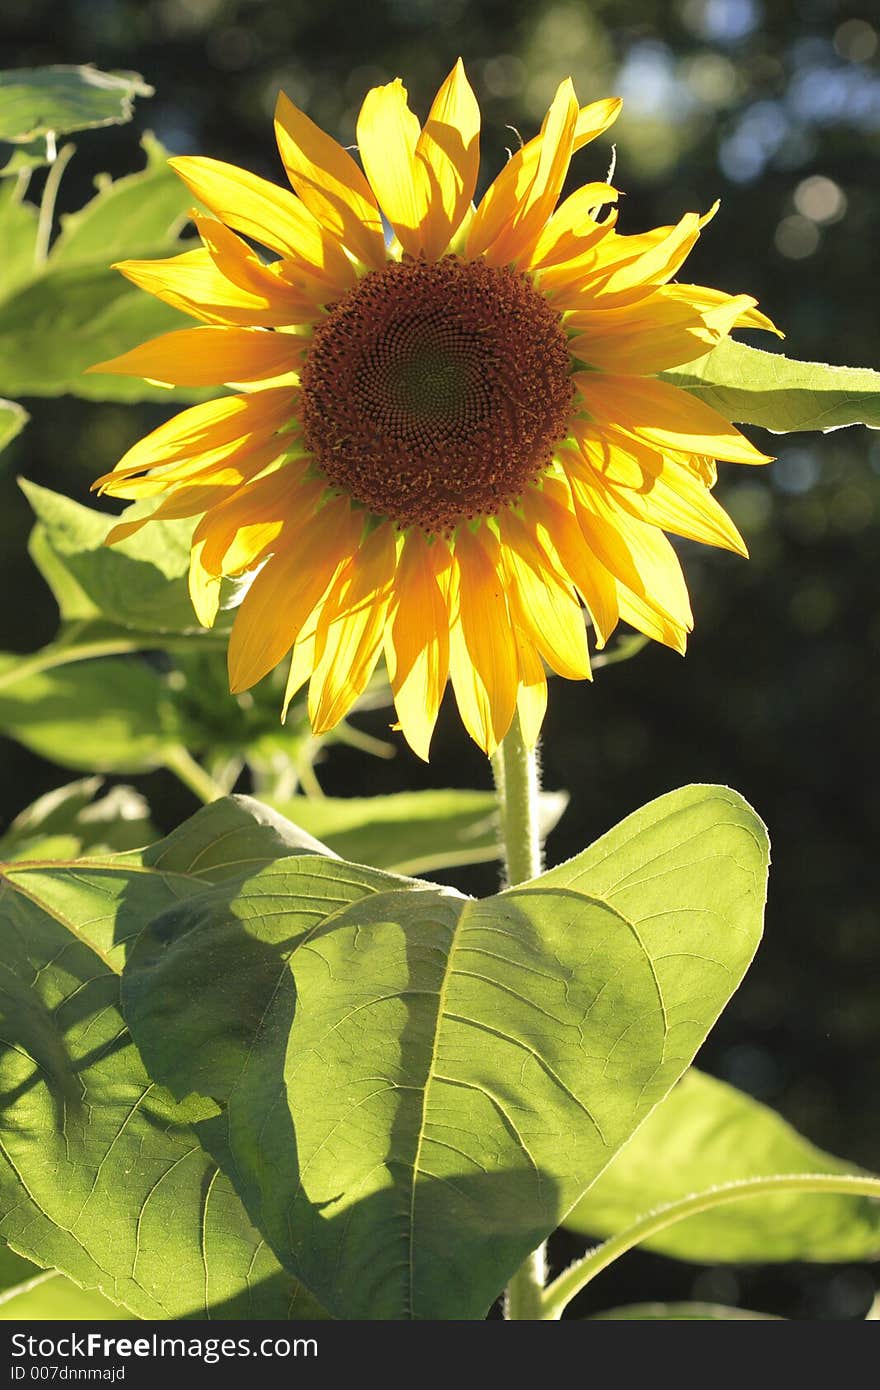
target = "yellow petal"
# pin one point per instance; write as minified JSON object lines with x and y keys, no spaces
{"x":482,"y":654}
{"x":350,"y":629}
{"x":417,"y":638}
{"x":546,"y":611}
{"x":656,"y":333}
{"x":288,"y":292}
{"x":572,"y":230}
{"x":210,"y":356}
{"x":539,"y":198}
{"x":639,"y":556}
{"x":286,"y":590}
{"x":449,"y":150}
{"x":269,"y":214}
{"x":204,"y":588}
{"x":240,"y":530}
{"x":219,"y":467}
{"x":640,"y":615}
{"x":192,"y":282}
{"x":664,"y":415}
{"x":183,"y":501}
{"x":330,"y":183}
{"x":549,"y":514}
{"x":388,"y":134}
{"x":501,"y":199}
{"x":531,"y":698}
{"x":707,"y":298}
{"x":614,"y":282}
{"x":213,"y":426}
{"x":302,"y":664}
{"x":667,"y":495}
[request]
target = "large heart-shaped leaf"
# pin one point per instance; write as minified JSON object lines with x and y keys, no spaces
{"x":707,"y":1133}
{"x":101,"y":1173}
{"x":419,"y":1086}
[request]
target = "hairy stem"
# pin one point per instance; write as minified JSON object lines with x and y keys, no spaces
{"x":517,"y":782}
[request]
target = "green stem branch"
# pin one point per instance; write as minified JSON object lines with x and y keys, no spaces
{"x":53,"y":656}
{"x":47,"y":204}
{"x":517,"y":783}
{"x":184,"y":766}
{"x":559,"y":1294}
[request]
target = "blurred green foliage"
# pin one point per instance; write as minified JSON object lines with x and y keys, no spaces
{"x":777,"y":110}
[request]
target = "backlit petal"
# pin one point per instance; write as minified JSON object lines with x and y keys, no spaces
{"x":449,"y":150}
{"x":662,"y":414}
{"x":388,"y":134}
{"x":329,"y":182}
{"x":271,"y":215}
{"x":417,"y":638}
{"x":482,"y":653}
{"x":210,"y":356}
{"x":286,"y":590}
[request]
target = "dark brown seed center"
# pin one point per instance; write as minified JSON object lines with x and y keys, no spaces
{"x":435,"y":392}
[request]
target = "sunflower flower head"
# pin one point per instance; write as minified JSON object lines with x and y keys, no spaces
{"x":448,"y":442}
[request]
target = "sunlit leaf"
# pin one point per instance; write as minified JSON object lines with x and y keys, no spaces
{"x":16,"y":158}
{"x":62,"y":314}
{"x":48,"y":1296}
{"x":101,"y":1174}
{"x":754,"y":387}
{"x":418,"y":1086}
{"x":18,"y":232}
{"x":411,"y":832}
{"x":13,"y":418}
{"x":35,"y":101}
{"x":111,"y":715}
{"x":707,"y":1133}
{"x":139,"y":583}
{"x":138,"y":214}
{"x":75,"y":820}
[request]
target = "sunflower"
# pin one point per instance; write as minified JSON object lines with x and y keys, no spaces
{"x":450,"y":443}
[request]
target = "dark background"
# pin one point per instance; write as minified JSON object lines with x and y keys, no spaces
{"x":774,"y":107}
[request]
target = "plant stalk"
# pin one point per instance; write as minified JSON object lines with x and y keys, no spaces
{"x":517,"y":783}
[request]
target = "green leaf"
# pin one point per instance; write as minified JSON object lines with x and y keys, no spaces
{"x":49,"y":1296}
{"x":35,"y":101}
{"x":74,"y":820}
{"x":112,"y":715}
{"x":707,"y":1133}
{"x":101,"y":1173}
{"x":61,"y":317}
{"x":764,"y":388}
{"x":138,"y":584}
{"x":678,"y":1312}
{"x":419,"y":1086}
{"x":18,"y":234}
{"x":56,"y":326}
{"x":13,"y":418}
{"x":14,"y":159}
{"x":141,"y":213}
{"x":411,"y":832}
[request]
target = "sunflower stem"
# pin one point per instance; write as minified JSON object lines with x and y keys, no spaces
{"x":517,"y":783}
